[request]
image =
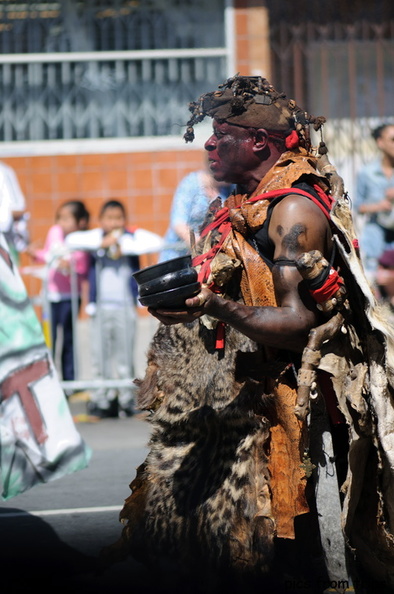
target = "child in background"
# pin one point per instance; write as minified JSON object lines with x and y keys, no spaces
{"x":114,"y":257}
{"x":71,"y":216}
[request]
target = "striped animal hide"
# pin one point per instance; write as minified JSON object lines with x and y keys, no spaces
{"x":203,"y":492}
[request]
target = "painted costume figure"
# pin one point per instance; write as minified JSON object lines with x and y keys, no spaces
{"x":38,"y":438}
{"x":271,"y":462}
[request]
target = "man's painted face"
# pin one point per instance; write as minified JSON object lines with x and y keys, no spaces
{"x":230,"y":153}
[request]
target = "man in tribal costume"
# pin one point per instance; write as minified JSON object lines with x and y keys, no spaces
{"x":271,"y":460}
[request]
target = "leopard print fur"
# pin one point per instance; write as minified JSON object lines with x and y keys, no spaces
{"x":205,"y":480}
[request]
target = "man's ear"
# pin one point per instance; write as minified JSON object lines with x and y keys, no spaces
{"x":261,"y":139}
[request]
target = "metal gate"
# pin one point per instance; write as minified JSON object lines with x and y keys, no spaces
{"x":101,"y":69}
{"x":344,"y":72}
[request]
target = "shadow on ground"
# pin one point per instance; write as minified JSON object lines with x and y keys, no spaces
{"x":33,"y":558}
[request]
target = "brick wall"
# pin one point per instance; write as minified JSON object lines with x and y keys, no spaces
{"x":252,"y":38}
{"x":144,"y":182}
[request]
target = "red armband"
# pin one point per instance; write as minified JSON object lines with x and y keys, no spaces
{"x":325,"y":288}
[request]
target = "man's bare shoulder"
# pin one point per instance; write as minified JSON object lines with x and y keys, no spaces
{"x":300,"y":209}
{"x":297,"y":224}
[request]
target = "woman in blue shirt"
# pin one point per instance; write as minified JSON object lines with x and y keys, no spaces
{"x":375,"y":199}
{"x":191,"y":200}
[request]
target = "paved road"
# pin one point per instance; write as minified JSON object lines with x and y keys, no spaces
{"x":51,"y":536}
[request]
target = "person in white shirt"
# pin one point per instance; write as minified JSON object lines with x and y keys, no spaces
{"x":115,"y":251}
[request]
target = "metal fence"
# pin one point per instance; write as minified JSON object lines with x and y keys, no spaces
{"x":89,"y":376}
{"x":103,"y":95}
{"x":344,"y":72}
{"x":28,"y":26}
{"x":100,"y":69}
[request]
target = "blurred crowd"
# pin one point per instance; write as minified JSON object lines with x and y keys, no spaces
{"x":374,"y":208}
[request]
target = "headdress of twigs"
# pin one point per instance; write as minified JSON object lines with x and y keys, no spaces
{"x":251,"y":101}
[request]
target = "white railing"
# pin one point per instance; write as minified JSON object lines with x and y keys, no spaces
{"x":81,"y":353}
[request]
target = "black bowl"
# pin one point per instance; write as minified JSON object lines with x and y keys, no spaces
{"x":147,"y":274}
{"x":179,"y":278}
{"x":173,"y":298}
